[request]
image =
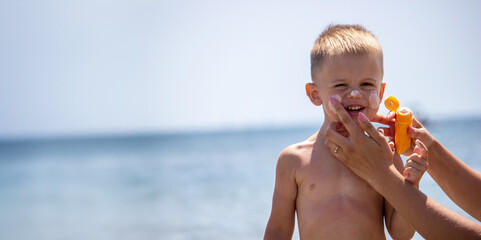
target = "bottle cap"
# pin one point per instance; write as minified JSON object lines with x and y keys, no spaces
{"x":404,"y":115}
{"x":391,"y":103}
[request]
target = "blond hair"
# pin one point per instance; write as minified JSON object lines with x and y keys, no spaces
{"x":343,"y":40}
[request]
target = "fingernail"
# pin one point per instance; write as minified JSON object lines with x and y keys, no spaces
{"x":390,"y":116}
{"x":331,"y":106}
{"x":333,"y":100}
{"x":380,"y":131}
{"x":418,"y":143}
{"x":362,"y":117}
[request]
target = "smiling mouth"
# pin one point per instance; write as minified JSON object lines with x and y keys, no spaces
{"x":354,"y":109}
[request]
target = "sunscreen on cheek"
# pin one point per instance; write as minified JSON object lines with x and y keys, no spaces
{"x":373,"y":100}
{"x":338,"y":97}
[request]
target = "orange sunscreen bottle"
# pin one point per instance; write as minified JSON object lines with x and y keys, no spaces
{"x":404,"y":119}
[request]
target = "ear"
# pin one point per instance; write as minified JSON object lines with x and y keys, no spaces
{"x":313,"y":94}
{"x":383,"y":86}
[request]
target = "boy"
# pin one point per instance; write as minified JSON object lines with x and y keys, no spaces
{"x":330,"y":200}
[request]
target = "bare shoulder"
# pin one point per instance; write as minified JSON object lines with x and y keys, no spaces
{"x":293,"y":155}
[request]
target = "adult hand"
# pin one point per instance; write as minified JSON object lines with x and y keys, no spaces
{"x":365,"y":155}
{"x":417,"y":131}
{"x":389,"y":120}
{"x":369,"y":157}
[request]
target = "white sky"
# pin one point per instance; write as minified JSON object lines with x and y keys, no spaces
{"x":81,"y":67}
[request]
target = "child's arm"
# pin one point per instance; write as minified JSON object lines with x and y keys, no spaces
{"x":396,"y":225}
{"x":282,"y":219}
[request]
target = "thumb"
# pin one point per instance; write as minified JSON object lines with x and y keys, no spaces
{"x":421,"y":134}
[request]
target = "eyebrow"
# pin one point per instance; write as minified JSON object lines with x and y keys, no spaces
{"x":369,"y":79}
{"x":339,"y":80}
{"x":364,"y":79}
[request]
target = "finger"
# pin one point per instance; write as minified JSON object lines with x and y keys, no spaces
{"x":381,"y":118}
{"x":345,"y":118}
{"x":413,"y":132}
{"x":371,"y":130}
{"x":412,"y":175}
{"x":416,"y":165}
{"x":407,"y":176}
{"x":416,"y":123}
{"x":336,"y":138}
{"x":391,"y":116}
{"x":416,"y":150}
{"x":423,"y":149}
{"x":336,"y":150}
{"x":391,"y":145}
{"x":333,"y":147}
{"x":381,"y":131}
{"x":421,"y":134}
{"x":420,"y":164}
{"x":418,"y":133}
{"x":386,"y":131}
{"x":417,"y":159}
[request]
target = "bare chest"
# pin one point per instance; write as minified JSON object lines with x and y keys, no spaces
{"x":323,"y":177}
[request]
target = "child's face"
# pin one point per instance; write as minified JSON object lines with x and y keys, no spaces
{"x":353,"y":79}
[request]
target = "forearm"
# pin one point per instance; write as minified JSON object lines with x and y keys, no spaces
{"x":400,"y":228}
{"x":282,"y":220}
{"x":461,"y":183}
{"x":430,"y":219}
{"x":272,"y":234}
{"x":397,"y":225}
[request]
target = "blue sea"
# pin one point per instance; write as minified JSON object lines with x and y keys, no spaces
{"x":209,"y":185}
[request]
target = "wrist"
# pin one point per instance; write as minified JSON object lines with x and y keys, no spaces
{"x":388,"y":181}
{"x":434,"y":149}
{"x":433,"y":145}
{"x":384,"y":171}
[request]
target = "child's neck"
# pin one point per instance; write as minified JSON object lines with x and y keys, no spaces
{"x":337,"y":126}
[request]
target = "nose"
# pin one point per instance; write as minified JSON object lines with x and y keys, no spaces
{"x":355,"y":94}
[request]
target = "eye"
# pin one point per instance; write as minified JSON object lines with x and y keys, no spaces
{"x":340,"y":85}
{"x":367,"y":84}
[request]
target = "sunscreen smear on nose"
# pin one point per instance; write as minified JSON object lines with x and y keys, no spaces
{"x":355,"y":93}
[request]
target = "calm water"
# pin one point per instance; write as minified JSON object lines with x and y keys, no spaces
{"x":190,"y":186}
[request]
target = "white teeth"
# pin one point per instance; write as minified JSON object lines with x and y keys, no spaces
{"x":354,"y":108}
